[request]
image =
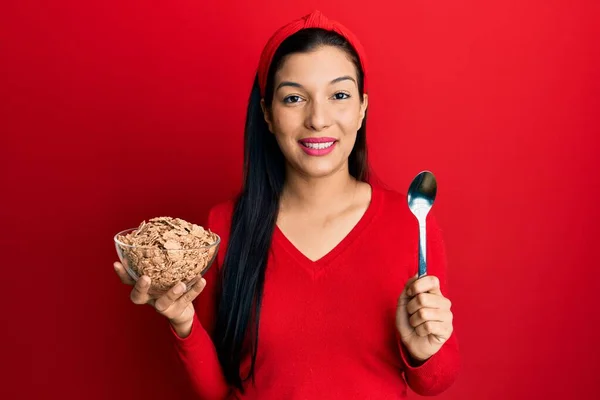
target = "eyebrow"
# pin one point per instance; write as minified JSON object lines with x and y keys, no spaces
{"x":297,"y":85}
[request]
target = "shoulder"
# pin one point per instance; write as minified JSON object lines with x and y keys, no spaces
{"x":219,"y":222}
{"x":391,"y":196}
{"x":219,"y":217}
{"x":393,"y":204}
{"x":221,"y":212}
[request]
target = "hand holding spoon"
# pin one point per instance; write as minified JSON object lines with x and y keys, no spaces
{"x":421,"y":195}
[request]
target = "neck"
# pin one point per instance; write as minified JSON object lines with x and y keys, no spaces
{"x":323,"y":193}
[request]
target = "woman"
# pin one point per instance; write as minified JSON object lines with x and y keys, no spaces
{"x":313,"y":294}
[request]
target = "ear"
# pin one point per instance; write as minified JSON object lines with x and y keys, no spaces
{"x":266,"y":115}
{"x":363,"y":110}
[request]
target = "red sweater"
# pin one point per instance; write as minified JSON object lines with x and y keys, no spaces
{"x":327,"y":328}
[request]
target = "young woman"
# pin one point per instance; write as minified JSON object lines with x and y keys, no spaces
{"x":314,"y":293}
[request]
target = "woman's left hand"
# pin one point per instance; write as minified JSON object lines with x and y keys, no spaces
{"x":423,"y":317}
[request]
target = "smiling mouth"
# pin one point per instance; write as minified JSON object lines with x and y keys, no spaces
{"x":317,"y":146}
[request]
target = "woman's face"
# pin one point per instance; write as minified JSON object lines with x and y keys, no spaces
{"x":316,"y":111}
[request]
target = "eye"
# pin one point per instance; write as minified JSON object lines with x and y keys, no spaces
{"x":341,"y":96}
{"x":292,"y":99}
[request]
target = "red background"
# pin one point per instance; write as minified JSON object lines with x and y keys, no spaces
{"x":118,"y":111}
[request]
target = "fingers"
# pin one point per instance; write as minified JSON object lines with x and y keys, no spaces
{"x":123,"y":275}
{"x":139,"y":294}
{"x":194,"y":292}
{"x":425,"y":310}
{"x":427,"y":300}
{"x":425,"y":284}
{"x":165,"y":301}
{"x":440,"y":331}
{"x":171,"y":306}
{"x":408,"y":285}
{"x":180,"y":305}
{"x":429,"y":314}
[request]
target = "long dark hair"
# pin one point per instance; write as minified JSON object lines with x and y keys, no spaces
{"x":256,"y":208}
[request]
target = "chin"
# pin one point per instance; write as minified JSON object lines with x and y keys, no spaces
{"x":320,"y":169}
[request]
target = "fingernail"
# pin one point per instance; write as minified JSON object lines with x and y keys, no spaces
{"x":115,"y":266}
{"x":203,"y":281}
{"x":144,"y":281}
{"x":178,"y":289}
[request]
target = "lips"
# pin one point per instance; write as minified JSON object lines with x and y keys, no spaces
{"x":317,"y":146}
{"x":318,"y":140}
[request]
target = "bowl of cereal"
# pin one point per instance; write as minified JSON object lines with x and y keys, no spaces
{"x":167,"y":250}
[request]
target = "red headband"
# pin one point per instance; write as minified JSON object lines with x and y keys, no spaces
{"x":312,"y":20}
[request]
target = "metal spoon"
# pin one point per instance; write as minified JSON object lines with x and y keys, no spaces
{"x":421,"y":195}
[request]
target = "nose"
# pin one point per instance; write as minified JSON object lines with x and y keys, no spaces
{"x":317,"y":116}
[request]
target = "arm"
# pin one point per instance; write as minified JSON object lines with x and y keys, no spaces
{"x":196,"y":350}
{"x":437,"y":373}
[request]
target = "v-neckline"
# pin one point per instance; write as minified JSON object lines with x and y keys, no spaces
{"x":280,"y":238}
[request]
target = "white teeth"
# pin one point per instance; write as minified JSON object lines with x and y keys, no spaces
{"x":318,"y":145}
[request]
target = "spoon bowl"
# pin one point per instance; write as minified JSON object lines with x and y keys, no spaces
{"x":421,"y":195}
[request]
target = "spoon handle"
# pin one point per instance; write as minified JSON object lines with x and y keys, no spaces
{"x":422,"y":248}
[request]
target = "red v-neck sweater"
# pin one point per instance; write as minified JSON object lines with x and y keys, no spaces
{"x":327,"y":328}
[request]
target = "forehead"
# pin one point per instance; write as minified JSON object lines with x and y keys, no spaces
{"x":318,"y":66}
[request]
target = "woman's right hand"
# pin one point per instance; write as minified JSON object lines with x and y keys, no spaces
{"x":176,"y":305}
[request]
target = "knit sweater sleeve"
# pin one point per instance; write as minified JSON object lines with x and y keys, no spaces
{"x":197,"y":351}
{"x":439,"y":372}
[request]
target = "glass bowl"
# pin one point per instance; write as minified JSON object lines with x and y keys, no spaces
{"x":164,"y":267}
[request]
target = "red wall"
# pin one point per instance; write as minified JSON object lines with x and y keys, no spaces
{"x":116,"y":111}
